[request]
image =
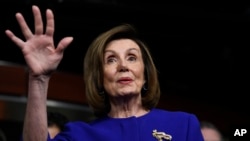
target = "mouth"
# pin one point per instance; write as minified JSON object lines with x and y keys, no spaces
{"x":124,"y":80}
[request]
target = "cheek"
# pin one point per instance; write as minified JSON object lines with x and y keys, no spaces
{"x":108,"y":74}
{"x":139,"y":73}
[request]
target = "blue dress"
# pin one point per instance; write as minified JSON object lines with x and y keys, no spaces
{"x":179,"y":126}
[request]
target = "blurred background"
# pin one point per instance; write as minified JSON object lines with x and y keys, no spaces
{"x":201,"y":52}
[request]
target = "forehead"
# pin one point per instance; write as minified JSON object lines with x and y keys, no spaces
{"x":122,"y":44}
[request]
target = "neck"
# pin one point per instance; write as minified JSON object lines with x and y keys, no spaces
{"x":127,"y":107}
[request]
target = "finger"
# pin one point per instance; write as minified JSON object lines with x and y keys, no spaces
{"x":50,"y":23}
{"x":38,"y":20}
{"x":17,"y":41}
{"x":64,"y":43}
{"x":24,"y":27}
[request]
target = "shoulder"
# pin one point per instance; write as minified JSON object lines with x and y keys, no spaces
{"x":174,"y":116}
{"x":76,"y":125}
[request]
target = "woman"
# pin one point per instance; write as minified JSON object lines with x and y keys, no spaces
{"x":121,"y":86}
{"x":210,"y":132}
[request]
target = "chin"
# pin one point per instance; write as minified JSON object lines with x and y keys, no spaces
{"x":124,"y":93}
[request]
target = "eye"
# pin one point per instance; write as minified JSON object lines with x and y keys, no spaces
{"x":132,"y":58}
{"x":111,"y":59}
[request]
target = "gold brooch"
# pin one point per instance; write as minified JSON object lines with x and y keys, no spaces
{"x":161,"y":135}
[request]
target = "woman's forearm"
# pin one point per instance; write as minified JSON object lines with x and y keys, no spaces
{"x":35,"y":122}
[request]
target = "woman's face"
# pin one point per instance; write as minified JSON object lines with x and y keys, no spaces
{"x":123,"y":68}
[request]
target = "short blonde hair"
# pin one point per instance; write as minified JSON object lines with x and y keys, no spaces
{"x":93,"y":70}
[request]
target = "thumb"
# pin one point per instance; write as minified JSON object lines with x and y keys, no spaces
{"x":63,"y":44}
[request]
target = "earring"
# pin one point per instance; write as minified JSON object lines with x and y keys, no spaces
{"x":101,"y":92}
{"x":144,"y":90}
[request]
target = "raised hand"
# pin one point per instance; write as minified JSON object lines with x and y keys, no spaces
{"x":40,"y":53}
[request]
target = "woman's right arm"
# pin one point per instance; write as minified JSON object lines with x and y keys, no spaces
{"x":42,"y":58}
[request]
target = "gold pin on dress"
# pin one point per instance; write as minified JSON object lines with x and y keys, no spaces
{"x":161,"y":136}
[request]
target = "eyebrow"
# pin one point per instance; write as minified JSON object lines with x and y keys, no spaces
{"x":130,"y":49}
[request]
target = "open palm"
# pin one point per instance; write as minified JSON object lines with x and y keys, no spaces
{"x":40,"y":53}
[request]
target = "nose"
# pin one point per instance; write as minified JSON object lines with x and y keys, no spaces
{"x":122,"y":67}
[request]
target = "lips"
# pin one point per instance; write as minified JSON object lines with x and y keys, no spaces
{"x":124,"y":80}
